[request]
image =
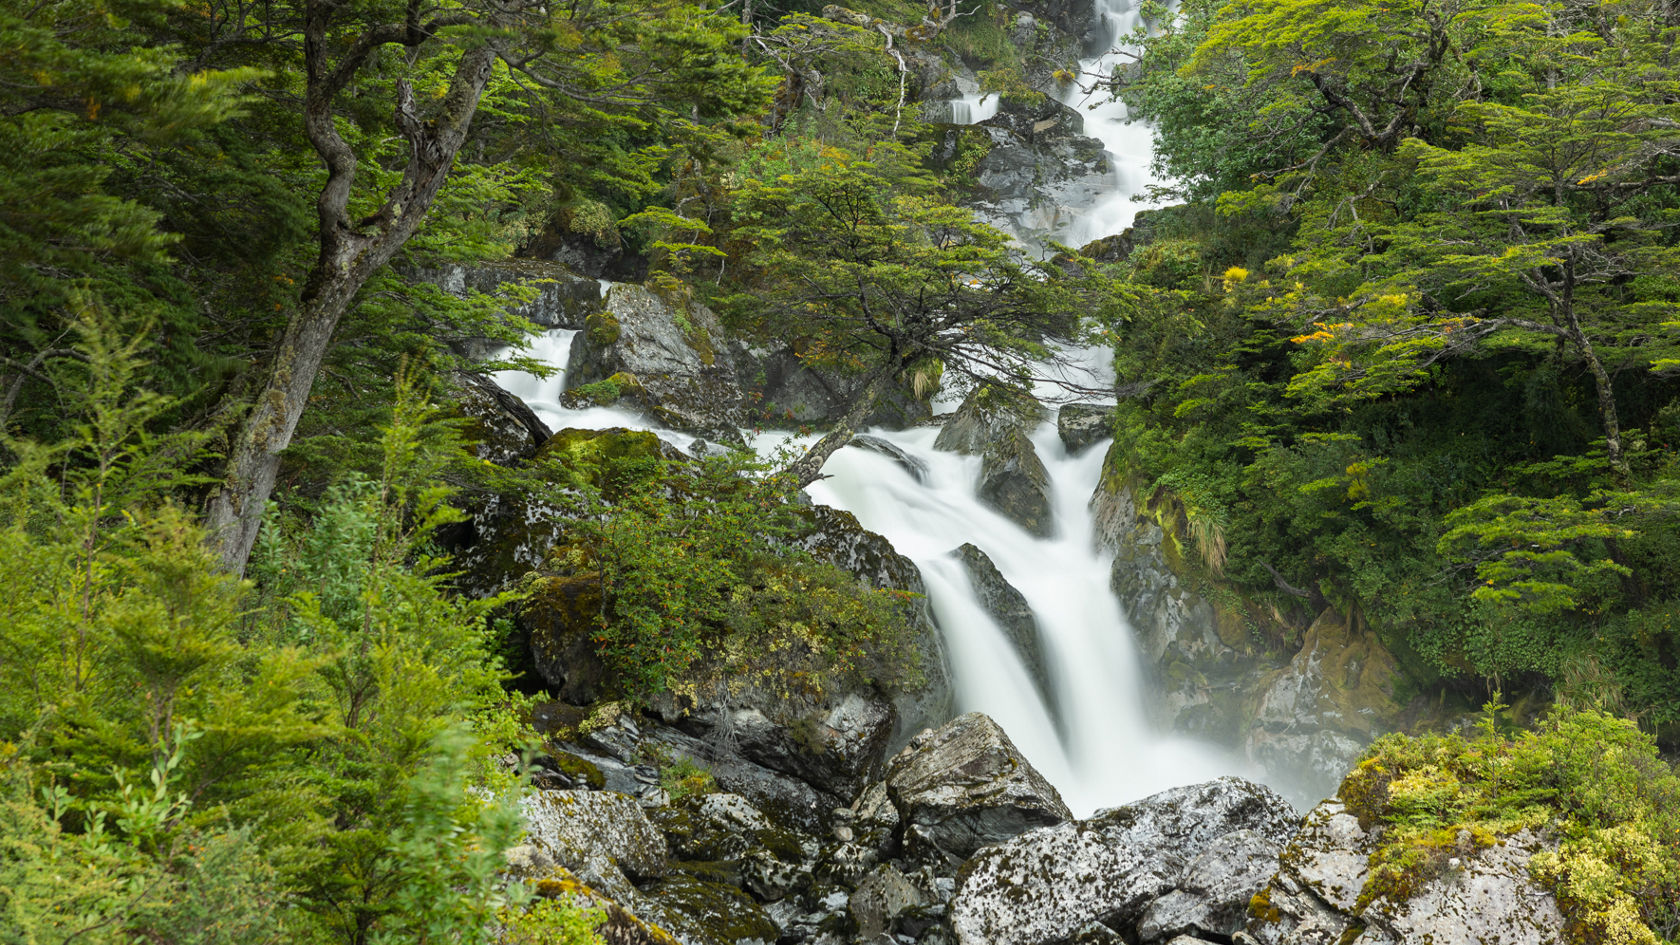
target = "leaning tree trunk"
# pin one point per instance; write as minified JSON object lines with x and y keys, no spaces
{"x":1601,"y":378}
{"x":350,"y":253}
{"x":808,"y":467}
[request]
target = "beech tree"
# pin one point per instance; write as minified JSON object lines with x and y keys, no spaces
{"x":891,"y":284}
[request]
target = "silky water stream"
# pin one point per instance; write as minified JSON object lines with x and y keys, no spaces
{"x":1088,"y":734}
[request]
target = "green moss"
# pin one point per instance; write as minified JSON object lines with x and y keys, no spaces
{"x":1260,"y":907}
{"x":601,"y":328}
{"x":1588,"y":778}
{"x":579,"y":769}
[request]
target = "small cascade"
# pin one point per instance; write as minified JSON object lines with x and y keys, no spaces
{"x":1091,"y":737}
{"x":1131,"y":146}
{"x":974,"y":108}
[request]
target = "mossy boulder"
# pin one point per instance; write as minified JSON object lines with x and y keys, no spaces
{"x":963,"y":786}
{"x":500,"y":429}
{"x":702,"y":911}
{"x":603,"y":837}
{"x":1051,"y":884}
{"x":1081,"y":425}
{"x":669,"y":343}
{"x":996,"y":422}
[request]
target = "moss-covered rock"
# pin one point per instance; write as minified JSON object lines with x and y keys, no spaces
{"x":705,"y":912}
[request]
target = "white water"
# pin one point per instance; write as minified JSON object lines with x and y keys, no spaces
{"x":973,"y":108}
{"x":1131,"y":146}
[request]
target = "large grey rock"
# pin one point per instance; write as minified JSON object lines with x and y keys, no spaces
{"x":996,"y":423}
{"x":1212,"y":897}
{"x":1028,"y":171}
{"x":1047,"y":885}
{"x":986,"y":415}
{"x":699,"y":911}
{"x":1489,"y":899}
{"x":1010,"y":609}
{"x":1081,"y":425}
{"x":789,"y":391}
{"x":1013,"y":481}
{"x":667,"y":355}
{"x":963,"y":786}
{"x":882,"y":896}
{"x":602,"y":836}
{"x":500,"y":428}
{"x":835,"y":744}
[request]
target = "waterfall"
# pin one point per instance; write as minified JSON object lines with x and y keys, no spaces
{"x":1131,"y":147}
{"x":1089,"y":735}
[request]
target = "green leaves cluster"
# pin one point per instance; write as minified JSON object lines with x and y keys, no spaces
{"x":701,"y":579}
{"x":1413,"y":329}
{"x":184,"y":760}
{"x":1592,"y":781}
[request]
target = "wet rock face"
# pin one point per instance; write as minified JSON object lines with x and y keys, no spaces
{"x":1341,"y":679}
{"x":1185,"y":861}
{"x":666,"y":355}
{"x":996,"y":424}
{"x":1202,"y":663}
{"x":1081,"y":425}
{"x":963,"y":786}
{"x":1011,"y":611}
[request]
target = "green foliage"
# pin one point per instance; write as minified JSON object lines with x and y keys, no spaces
{"x":1592,"y":781}
{"x":1406,"y":344}
{"x":683,"y":778}
{"x":699,"y":578}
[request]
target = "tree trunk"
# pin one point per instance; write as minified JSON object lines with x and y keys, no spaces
{"x":808,"y":468}
{"x":1601,"y":378}
{"x":349,"y":254}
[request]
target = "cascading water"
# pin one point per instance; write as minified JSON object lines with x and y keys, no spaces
{"x":1131,"y":146}
{"x":1089,"y":734}
{"x":973,"y":108}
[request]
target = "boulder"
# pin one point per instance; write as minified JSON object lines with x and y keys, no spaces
{"x":702,"y":911}
{"x":789,"y":391}
{"x":1081,"y":425}
{"x":500,"y":428}
{"x":836,"y":743}
{"x":1212,"y":897}
{"x":1487,"y":896}
{"x":1028,"y":170}
{"x":601,"y":836}
{"x":989,"y":413}
{"x":663,"y":352}
{"x":963,"y":786}
{"x":1013,"y":481}
{"x":1051,"y":884}
{"x":1013,"y":614}
{"x":880,"y":898}
{"x":874,"y":444}
{"x":996,"y":423}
